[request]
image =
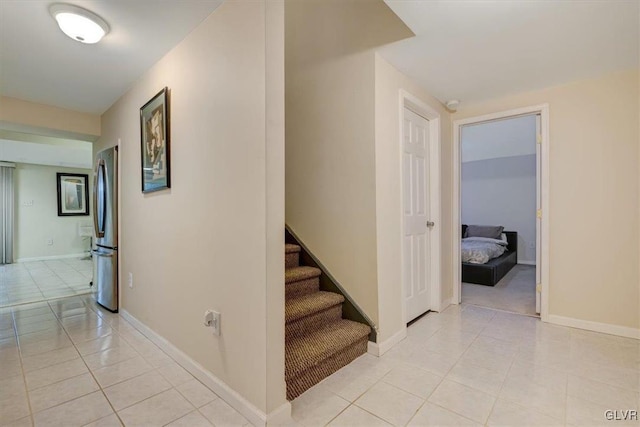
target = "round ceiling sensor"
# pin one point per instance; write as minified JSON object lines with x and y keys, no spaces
{"x":78,"y":23}
{"x":453,"y":104}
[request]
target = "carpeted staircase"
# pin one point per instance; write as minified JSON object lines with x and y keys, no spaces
{"x":318,"y":340}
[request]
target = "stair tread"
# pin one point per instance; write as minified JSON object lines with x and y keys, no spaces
{"x":298,"y":307}
{"x":291,"y":248}
{"x":300,"y":273}
{"x":305,"y":351}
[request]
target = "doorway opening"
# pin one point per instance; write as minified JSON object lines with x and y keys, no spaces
{"x":500,"y":204}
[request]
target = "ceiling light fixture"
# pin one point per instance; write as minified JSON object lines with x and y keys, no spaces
{"x":78,"y":23}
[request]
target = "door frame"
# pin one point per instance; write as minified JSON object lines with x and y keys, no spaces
{"x":433,"y":117}
{"x":543,"y":110}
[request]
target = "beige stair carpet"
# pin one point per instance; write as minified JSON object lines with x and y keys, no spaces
{"x":318,"y":341}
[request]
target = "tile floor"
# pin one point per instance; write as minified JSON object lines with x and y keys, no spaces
{"x":68,"y":363}
{"x":28,"y":282}
{"x":474,"y":366}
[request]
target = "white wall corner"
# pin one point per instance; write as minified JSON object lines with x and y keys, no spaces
{"x":378,"y":349}
{"x":605,"y":328}
{"x":219,"y":387}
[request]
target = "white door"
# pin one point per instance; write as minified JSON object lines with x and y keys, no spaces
{"x":416,"y":225}
{"x":538,"y":211}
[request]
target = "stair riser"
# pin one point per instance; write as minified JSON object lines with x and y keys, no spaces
{"x":299,"y":384}
{"x":314,"y":321}
{"x":302,"y":287}
{"x":292,"y":260}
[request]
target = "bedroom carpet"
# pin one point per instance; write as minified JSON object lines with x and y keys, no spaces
{"x":515,"y":292}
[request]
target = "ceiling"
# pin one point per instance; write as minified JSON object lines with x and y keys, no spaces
{"x":475,"y":50}
{"x":39,"y":63}
{"x":465,"y":49}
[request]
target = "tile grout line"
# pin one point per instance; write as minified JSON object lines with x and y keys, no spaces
{"x":356,"y":398}
{"x":43,"y":298}
{"x":90,"y":373}
{"x":155,"y":369}
{"x":425,"y":400}
{"x":449,"y":370}
{"x":409,"y":364}
{"x":502,"y":385}
{"x":55,"y":382}
{"x":24,"y":378}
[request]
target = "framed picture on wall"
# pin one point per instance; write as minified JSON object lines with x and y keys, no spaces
{"x":73,"y":194}
{"x":154,"y":143}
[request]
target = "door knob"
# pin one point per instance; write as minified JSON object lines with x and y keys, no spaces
{"x":430,"y":224}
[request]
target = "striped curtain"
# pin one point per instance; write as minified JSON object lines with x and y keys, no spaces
{"x":6,"y":213}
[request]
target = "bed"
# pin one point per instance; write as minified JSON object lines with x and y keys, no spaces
{"x":492,"y":271}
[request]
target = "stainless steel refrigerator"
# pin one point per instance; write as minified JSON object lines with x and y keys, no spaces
{"x":105,"y":223}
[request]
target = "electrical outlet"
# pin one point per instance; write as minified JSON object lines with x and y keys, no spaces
{"x":131,"y":280}
{"x":208,"y":318}
{"x":212,"y":320}
{"x":216,"y":323}
{"x":50,"y":242}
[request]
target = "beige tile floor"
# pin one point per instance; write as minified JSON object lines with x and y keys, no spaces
{"x":68,"y":363}
{"x":474,"y":366}
{"x":28,"y":282}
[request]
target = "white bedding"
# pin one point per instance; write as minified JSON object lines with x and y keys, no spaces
{"x":479,"y":250}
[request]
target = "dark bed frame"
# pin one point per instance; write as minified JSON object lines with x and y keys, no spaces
{"x":495,"y":269}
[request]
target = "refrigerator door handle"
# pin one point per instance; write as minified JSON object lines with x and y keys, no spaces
{"x":97,"y":253}
{"x":98,"y":179}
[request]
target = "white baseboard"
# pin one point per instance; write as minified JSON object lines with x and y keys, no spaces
{"x":444,"y":304}
{"x":605,"y":328}
{"x":280,"y":416}
{"x":49,"y":258}
{"x":378,"y":349}
{"x":526,"y":262}
{"x":219,"y":387}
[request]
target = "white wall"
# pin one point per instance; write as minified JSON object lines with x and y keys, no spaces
{"x":38,"y":222}
{"x":203,"y":244}
{"x":388,"y":83}
{"x":498,"y":185}
{"x":77,"y":154}
{"x":499,"y":138}
{"x":330,"y":135}
{"x":593,"y":183}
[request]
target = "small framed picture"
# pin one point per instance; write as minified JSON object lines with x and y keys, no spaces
{"x":154,"y":141}
{"x":73,"y":194}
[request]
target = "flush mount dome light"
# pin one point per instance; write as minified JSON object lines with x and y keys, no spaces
{"x":78,"y":23}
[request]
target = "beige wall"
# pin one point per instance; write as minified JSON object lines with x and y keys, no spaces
{"x":274,"y":153}
{"x":388,"y":83}
{"x":330,"y":135}
{"x":38,"y":222}
{"x":21,"y":115}
{"x":203,"y":244}
{"x":594,"y":190}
